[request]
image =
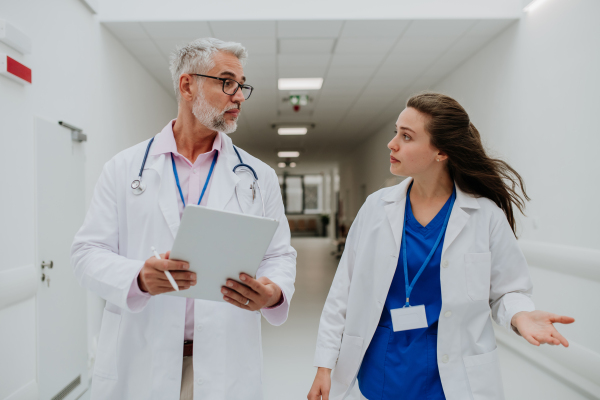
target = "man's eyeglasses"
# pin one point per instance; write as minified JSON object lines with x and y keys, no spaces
{"x":231,"y":86}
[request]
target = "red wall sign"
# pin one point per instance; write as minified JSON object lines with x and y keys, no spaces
{"x":14,"y":70}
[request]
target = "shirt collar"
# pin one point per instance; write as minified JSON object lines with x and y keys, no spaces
{"x":164,"y":142}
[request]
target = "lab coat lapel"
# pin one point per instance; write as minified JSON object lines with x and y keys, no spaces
{"x":459,"y":217}
{"x":225,"y":180}
{"x":396,"y":200}
{"x":167,"y":200}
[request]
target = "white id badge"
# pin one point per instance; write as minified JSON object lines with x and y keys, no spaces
{"x":407,"y":318}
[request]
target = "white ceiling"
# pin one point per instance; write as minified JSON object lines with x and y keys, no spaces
{"x":369,"y":69}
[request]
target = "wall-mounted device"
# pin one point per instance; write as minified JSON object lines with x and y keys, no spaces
{"x":14,"y":37}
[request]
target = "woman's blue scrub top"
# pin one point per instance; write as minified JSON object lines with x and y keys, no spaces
{"x":403,"y":365}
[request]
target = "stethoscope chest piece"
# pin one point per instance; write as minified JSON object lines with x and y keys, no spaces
{"x":138,"y":187}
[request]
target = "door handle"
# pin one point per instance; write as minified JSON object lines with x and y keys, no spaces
{"x":47,"y":265}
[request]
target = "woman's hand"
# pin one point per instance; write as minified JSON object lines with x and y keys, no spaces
{"x":536,"y":327}
{"x":321,"y":385}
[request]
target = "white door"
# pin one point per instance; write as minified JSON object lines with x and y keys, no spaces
{"x":61,"y":302}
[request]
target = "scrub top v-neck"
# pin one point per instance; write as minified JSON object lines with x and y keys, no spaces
{"x":403,"y":365}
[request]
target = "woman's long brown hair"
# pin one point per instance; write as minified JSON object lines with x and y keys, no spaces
{"x":473,"y":171}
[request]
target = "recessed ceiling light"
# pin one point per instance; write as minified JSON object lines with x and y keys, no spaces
{"x":281,"y":165}
{"x":292,"y":131}
{"x":300,"y":83}
{"x":293,"y":165}
{"x":288,"y":154}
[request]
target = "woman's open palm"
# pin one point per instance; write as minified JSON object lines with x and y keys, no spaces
{"x":537,"y":327}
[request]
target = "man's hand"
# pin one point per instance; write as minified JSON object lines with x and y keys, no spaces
{"x":261,"y":292}
{"x":152,"y":278}
{"x":537,"y":327}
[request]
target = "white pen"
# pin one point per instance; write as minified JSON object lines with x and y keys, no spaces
{"x":167,"y":273}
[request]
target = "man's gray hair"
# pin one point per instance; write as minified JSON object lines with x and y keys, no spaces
{"x":197,"y":57}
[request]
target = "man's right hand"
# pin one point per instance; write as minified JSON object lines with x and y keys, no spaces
{"x":321,"y":386}
{"x":152,"y":278}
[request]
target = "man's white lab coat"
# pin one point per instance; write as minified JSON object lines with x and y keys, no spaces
{"x":140,"y":348}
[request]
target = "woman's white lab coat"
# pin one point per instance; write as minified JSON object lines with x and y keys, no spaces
{"x":140,"y":348}
{"x":482,"y":270}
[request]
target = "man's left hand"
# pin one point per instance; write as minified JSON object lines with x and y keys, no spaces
{"x":257,"y":293}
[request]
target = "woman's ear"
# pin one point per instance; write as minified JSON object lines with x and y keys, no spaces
{"x":441,"y":156}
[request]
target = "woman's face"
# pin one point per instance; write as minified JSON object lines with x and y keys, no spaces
{"x":412,"y":153}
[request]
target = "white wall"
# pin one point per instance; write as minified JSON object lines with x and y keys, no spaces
{"x":82,"y":75}
{"x":533,"y":94}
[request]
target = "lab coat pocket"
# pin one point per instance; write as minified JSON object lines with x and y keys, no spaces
{"x":349,"y":359}
{"x":478,"y":267}
{"x":485,"y":380}
{"x":106,"y":356}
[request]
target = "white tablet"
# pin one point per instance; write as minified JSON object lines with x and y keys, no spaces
{"x":220,"y":245}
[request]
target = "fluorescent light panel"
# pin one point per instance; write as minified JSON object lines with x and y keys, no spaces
{"x":292,"y":131}
{"x":288,"y":154}
{"x":300,"y":83}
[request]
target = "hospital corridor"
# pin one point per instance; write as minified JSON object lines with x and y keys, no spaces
{"x":321,"y":200}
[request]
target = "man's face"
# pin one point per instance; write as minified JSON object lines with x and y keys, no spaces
{"x":212,"y":107}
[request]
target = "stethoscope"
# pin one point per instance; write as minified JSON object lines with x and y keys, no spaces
{"x":138,"y":186}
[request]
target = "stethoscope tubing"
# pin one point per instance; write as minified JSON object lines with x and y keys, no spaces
{"x":139,"y":188}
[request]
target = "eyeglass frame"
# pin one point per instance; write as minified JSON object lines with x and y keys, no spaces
{"x":240,"y":85}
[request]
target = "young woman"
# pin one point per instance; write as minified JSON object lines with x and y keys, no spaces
{"x":408,"y":313}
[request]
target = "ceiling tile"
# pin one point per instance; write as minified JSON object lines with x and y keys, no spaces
{"x":305,"y":72}
{"x":240,"y":30}
{"x":384,"y":87}
{"x":362,"y":45}
{"x":303,"y":60}
{"x":260,"y":46}
{"x":261,"y":75}
{"x":177,"y":29}
{"x":351,"y":72}
{"x":142,"y":47}
{"x":306,"y":46}
{"x":405,"y":70}
{"x":355,"y":60}
{"x":373,"y":29}
{"x":438,"y":28}
{"x":261,"y":60}
{"x":490,"y":27}
{"x":155,"y":63}
{"x":169,"y":46}
{"x":309,"y":29}
{"x":337,"y":80}
{"x":126,"y":30}
{"x":407,"y":48}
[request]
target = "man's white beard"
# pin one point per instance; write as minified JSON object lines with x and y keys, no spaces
{"x":212,"y":118}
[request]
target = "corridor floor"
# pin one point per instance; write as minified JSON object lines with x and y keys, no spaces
{"x":289,"y":349}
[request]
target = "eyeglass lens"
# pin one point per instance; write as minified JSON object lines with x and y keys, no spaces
{"x":230,"y":87}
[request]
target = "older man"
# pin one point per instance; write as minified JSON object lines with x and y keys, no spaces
{"x":165,"y":347}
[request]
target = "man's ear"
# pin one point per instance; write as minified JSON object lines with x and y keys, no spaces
{"x":187,"y":87}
